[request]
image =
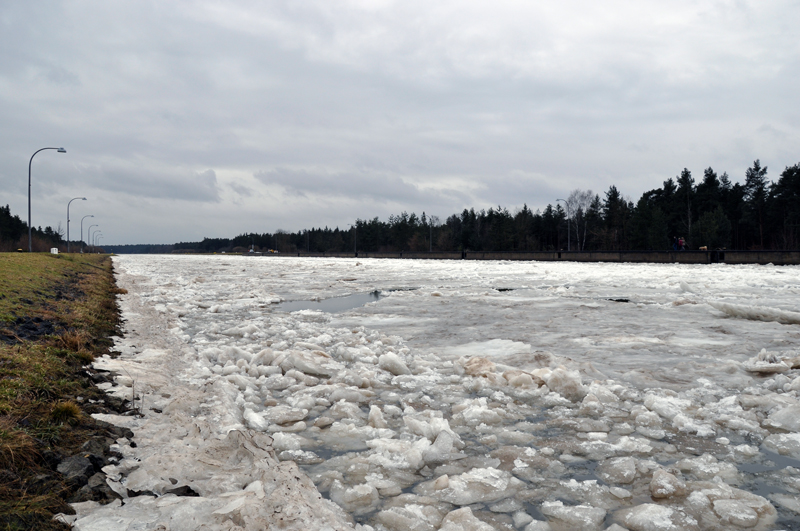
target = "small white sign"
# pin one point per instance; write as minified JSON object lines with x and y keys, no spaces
{"x":54,"y":250}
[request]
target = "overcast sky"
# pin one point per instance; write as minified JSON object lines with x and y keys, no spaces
{"x":191,"y":119}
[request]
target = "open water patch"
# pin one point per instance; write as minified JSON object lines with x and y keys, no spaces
{"x":773,"y":462}
{"x":332,"y":305}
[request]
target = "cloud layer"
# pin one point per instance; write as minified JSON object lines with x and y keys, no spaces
{"x":192,"y":119}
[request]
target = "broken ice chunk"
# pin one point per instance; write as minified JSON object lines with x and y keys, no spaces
{"x":376,"y":419}
{"x":253,"y":420}
{"x":538,"y":525}
{"x":393,"y":363}
{"x":285,"y":414}
{"x":666,"y":406}
{"x":315,"y":363}
{"x":289,"y":441}
{"x":707,"y":467}
{"x":784,"y":444}
{"x":443,"y":449}
{"x":301,"y":457}
{"x":508,"y":505}
{"x":411,"y":517}
{"x":430,"y":424}
{"x":787,"y":418}
{"x":687,"y":424}
{"x":241,"y":331}
{"x":583,"y":517}
{"x":479,"y":485}
{"x":620,"y":470}
{"x":394,"y":454}
{"x":718,"y":505}
{"x":666,"y":485}
{"x":518,"y":378}
{"x":277,"y":382}
{"x":652,"y":517}
{"x":765,"y":363}
{"x":787,"y":501}
{"x":736,"y":513}
{"x":598,"y":450}
{"x":358,"y":499}
{"x":478,"y":366}
{"x":567,"y":383}
{"x":474,"y":412}
{"x":463,"y":520}
{"x":345,"y":410}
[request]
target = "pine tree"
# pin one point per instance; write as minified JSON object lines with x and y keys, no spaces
{"x":755,"y":187}
{"x":685,"y":194}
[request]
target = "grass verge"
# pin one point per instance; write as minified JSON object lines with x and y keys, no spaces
{"x":57,"y":312}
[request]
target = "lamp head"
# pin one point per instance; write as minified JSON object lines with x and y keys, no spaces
{"x":83,"y":198}
{"x":61,"y":150}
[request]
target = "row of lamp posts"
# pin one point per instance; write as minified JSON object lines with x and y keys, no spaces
{"x":97,"y":234}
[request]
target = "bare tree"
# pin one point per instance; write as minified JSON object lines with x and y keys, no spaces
{"x":578,"y":202}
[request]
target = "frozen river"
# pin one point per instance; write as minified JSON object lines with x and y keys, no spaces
{"x":463,"y":395}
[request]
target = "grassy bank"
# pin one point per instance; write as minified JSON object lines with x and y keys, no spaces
{"x":56,"y":314}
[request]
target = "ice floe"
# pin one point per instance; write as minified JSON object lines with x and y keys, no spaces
{"x":453,"y":405}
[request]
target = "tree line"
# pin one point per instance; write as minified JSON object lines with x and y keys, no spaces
{"x":711,"y":212}
{"x":14,"y":234}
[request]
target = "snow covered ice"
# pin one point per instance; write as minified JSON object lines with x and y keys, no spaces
{"x":472,"y":395}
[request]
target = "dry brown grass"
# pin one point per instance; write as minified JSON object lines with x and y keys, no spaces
{"x":66,"y":413}
{"x":83,"y":357}
{"x":17,"y":448}
{"x":41,"y":376}
{"x":73,"y":340}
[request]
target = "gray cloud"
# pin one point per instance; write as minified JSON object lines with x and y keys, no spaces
{"x":357,"y":185}
{"x":373,"y":107}
{"x":129,"y":180}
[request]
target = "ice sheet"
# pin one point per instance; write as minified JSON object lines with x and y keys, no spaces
{"x":456,"y":395}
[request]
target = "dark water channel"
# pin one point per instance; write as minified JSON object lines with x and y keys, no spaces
{"x":332,"y":305}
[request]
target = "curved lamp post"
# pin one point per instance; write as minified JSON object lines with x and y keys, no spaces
{"x":89,"y":233}
{"x":569,"y":236}
{"x":97,"y":235}
{"x":84,"y":217}
{"x":70,"y":201}
{"x":60,"y":150}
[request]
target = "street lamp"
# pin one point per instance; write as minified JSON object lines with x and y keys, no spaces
{"x":70,"y":201}
{"x":60,"y":150}
{"x":84,"y":217}
{"x":99,"y":237}
{"x":569,"y":234}
{"x":89,"y":233}
{"x":96,"y":238}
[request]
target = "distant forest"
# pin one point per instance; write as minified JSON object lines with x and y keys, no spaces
{"x":14,"y":234}
{"x":713,"y":213}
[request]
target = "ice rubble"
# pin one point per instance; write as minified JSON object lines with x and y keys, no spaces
{"x":757,"y":313}
{"x":231,"y":398}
